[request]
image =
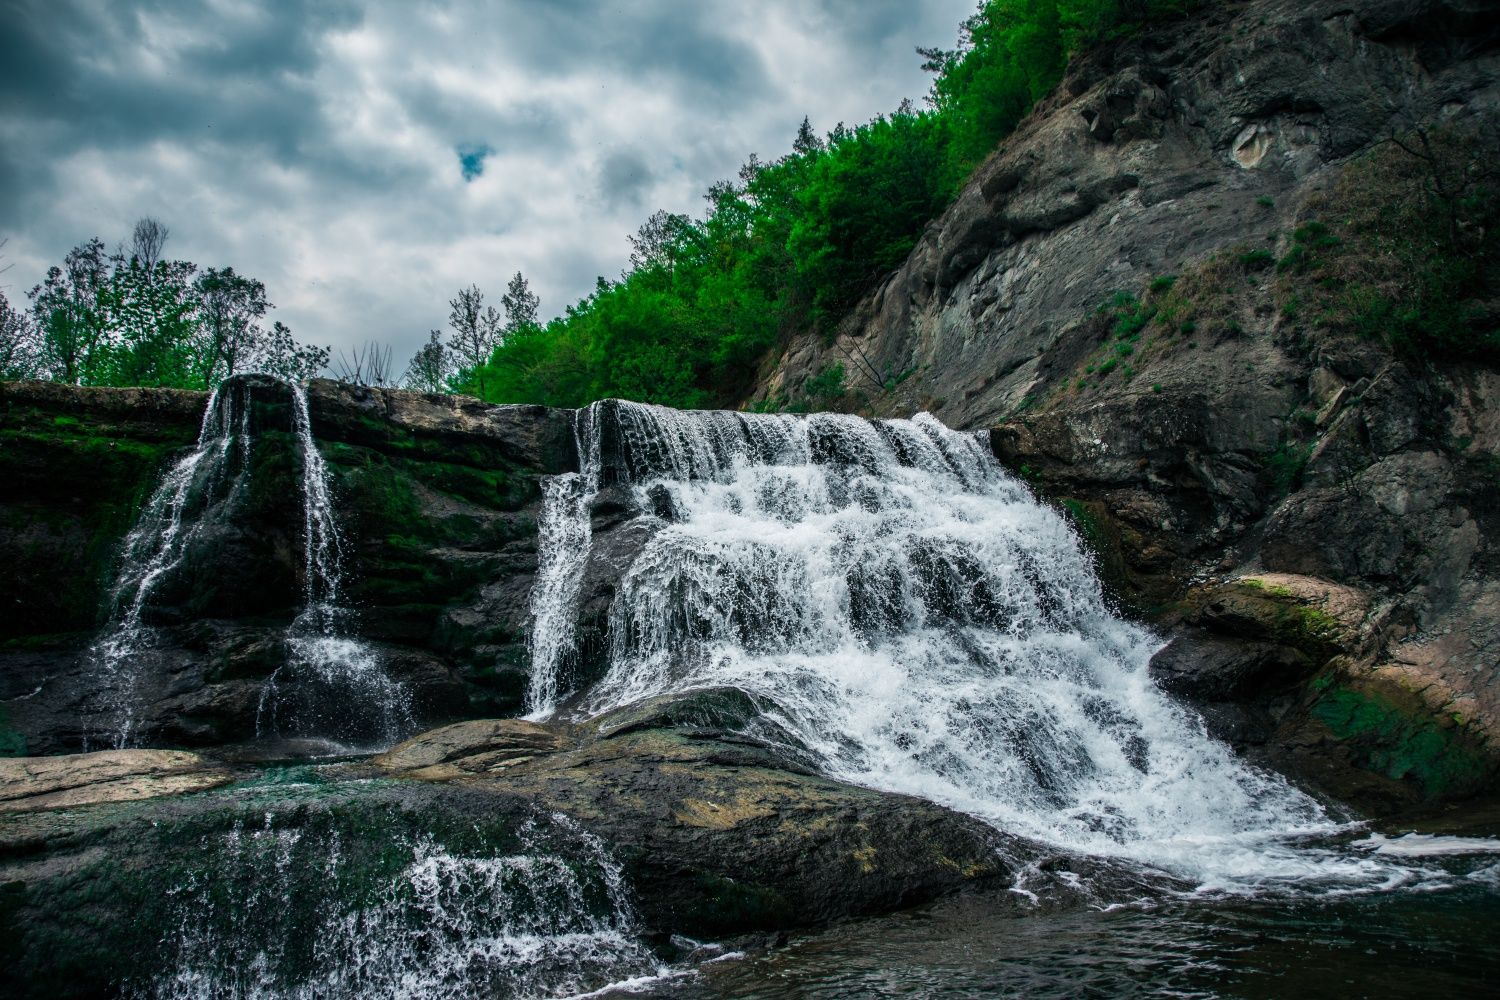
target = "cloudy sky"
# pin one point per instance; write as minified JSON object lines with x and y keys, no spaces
{"x":367,"y":159}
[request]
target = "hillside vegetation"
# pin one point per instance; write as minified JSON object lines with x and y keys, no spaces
{"x":790,"y":244}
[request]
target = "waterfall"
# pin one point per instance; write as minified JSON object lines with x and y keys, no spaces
{"x":921,"y":624}
{"x":272,"y":911}
{"x":206,"y":479}
{"x":333,"y":684}
{"x":563,"y":536}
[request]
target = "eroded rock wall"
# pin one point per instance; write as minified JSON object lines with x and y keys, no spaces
{"x":436,"y":497}
{"x":1258,"y":444}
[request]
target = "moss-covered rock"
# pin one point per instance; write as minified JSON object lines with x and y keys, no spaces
{"x":712,"y":838}
{"x":436,"y":500}
{"x":1392,"y":732}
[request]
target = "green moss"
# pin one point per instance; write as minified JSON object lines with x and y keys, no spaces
{"x":12,"y":742}
{"x":1101,"y":541}
{"x":727,"y":904}
{"x":1395,"y":735}
{"x":75,"y":486}
{"x":1284,"y":466}
{"x":1257,"y":260}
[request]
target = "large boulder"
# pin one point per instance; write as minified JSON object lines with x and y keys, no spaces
{"x":712,"y":836}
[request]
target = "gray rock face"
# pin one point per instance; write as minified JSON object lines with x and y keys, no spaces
{"x":436,"y":497}
{"x":713,"y":838}
{"x":1219,"y":135}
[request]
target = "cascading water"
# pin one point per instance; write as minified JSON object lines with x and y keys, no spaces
{"x":564,"y":534}
{"x":205,"y":480}
{"x":333,"y":684}
{"x":921,"y":624}
{"x":272,"y":911}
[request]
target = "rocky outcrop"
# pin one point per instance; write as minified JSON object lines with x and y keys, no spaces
{"x":1248,"y":438}
{"x":30,"y":784}
{"x":436,"y":497}
{"x":715,"y":837}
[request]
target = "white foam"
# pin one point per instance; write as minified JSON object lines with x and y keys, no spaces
{"x":923,"y":625}
{"x":1423,"y":845}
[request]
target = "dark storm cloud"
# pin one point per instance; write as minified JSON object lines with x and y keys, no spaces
{"x":624,"y":178}
{"x":134,"y":72}
{"x":366,"y":159}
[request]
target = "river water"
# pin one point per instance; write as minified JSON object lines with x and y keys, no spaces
{"x":1391,"y":945}
{"x":910,"y":618}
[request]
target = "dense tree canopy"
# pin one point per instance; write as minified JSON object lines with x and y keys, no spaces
{"x":793,"y":243}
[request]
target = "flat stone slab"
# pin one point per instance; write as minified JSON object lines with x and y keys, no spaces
{"x":481,"y":744}
{"x":30,"y":784}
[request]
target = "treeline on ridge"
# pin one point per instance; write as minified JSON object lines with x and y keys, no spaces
{"x":133,"y":318}
{"x":790,"y":244}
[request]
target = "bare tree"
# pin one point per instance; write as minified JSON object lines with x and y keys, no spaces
{"x":147,"y":241}
{"x":430,"y":367}
{"x":367,"y":365}
{"x":476,"y":330}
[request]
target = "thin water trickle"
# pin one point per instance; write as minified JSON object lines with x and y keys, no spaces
{"x":333,"y":684}
{"x":198,"y":488}
{"x":921,"y":624}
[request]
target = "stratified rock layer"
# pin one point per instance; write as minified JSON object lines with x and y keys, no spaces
{"x":1261,"y":444}
{"x":436,"y":498}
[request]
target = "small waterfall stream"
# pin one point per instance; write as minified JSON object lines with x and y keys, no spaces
{"x":563,"y":537}
{"x":198,"y":487}
{"x":282,"y":911}
{"x":922,"y":625}
{"x":333,"y":684}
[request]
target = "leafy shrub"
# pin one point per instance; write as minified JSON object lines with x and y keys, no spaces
{"x":828,"y":385}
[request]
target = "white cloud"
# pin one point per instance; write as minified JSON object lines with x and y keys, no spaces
{"x":318,"y":150}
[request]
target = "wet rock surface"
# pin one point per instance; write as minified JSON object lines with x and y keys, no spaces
{"x":1259,"y":443}
{"x":30,"y":784}
{"x":715,"y":838}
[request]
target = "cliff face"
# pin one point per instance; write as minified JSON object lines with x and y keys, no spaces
{"x":1308,"y":514}
{"x":436,"y":497}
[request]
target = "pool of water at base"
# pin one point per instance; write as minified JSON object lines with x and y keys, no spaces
{"x":1396,"y":945}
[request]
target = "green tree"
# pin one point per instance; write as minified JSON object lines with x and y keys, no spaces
{"x":230,"y":307}
{"x":430,"y":367}
{"x":153,"y":323}
{"x":19,"y":350}
{"x":520,"y":305}
{"x":71,"y":314}
{"x":277,"y":352}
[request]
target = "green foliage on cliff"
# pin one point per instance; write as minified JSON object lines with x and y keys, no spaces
{"x":793,"y":243}
{"x":1413,"y":253}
